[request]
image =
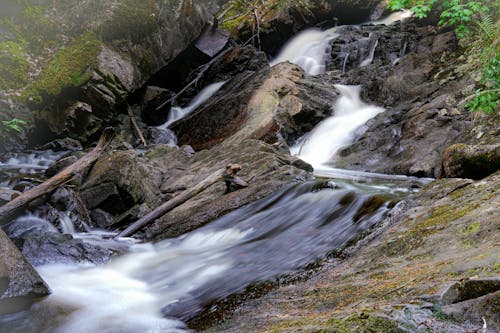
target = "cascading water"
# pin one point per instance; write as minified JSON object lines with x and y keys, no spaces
{"x":177,"y":113}
{"x":308,"y":50}
{"x":337,"y":131}
{"x":155,"y":287}
{"x":178,"y":278}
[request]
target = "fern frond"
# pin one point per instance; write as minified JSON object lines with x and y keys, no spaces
{"x":488,"y":27}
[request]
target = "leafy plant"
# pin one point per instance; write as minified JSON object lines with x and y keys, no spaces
{"x":14,"y":124}
{"x":477,"y":24}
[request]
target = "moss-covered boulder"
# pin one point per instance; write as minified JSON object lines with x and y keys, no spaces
{"x":471,"y":161}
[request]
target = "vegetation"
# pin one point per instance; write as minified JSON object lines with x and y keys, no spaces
{"x":477,"y":25}
{"x":68,"y":68}
{"x":14,"y":124}
{"x":13,"y":65}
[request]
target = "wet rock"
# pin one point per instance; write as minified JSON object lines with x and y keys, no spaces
{"x":469,"y":289}
{"x":264,"y":168}
{"x":273,"y":105}
{"x":406,"y":142}
{"x":153,"y":98}
{"x":120,"y":180}
{"x":482,"y":311}
{"x":20,"y":284}
{"x":59,"y":165}
{"x":7,"y":195}
{"x":101,"y":219}
{"x":212,"y":41}
{"x":65,"y":144}
{"x":471,"y":161}
{"x":43,"y":244}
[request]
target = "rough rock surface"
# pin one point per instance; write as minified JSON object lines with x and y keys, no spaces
{"x":264,"y":167}
{"x":106,"y":56}
{"x":466,"y":161}
{"x":420,"y":95}
{"x":394,"y":282}
{"x":277,"y":104}
{"x":19,"y":282}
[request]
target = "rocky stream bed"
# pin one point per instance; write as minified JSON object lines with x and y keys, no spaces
{"x":367,"y":199}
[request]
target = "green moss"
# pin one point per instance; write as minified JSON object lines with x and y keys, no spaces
{"x":159,"y":151}
{"x":441,"y":217}
{"x":69,"y":68}
{"x":470,"y":229}
{"x":364,"y":323}
{"x":13,"y":65}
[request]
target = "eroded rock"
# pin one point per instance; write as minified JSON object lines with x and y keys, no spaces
{"x":471,"y":161}
{"x":20,"y":284}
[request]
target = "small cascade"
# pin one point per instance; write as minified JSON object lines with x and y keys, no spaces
{"x":177,"y":113}
{"x":309,"y":50}
{"x":349,"y":113}
{"x":369,"y":59}
{"x":344,"y":64}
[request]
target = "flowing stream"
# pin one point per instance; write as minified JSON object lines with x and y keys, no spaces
{"x":158,"y":287}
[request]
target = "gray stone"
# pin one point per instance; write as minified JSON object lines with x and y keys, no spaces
{"x":20,"y":284}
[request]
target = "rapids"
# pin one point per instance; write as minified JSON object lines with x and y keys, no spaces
{"x":159,"y":287}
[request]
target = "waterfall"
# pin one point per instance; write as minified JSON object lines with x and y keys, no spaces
{"x":337,"y":131}
{"x":177,"y":113}
{"x":309,"y":50}
{"x":371,"y":54}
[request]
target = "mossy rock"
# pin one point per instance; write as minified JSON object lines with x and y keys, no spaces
{"x":14,"y":65}
{"x":70,"y":67}
{"x":364,"y":323}
{"x":471,"y":161}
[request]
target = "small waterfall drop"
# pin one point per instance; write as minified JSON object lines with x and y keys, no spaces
{"x":337,"y":131}
{"x":309,"y":50}
{"x":177,"y":113}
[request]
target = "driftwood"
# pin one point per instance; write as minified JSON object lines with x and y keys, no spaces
{"x":136,"y":127}
{"x":225,"y":174}
{"x":13,"y":207}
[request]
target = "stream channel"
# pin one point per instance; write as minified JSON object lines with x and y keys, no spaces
{"x":159,"y":287}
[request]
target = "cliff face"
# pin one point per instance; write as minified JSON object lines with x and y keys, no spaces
{"x":92,"y":52}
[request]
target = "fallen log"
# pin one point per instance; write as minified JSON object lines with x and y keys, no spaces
{"x":138,"y":131}
{"x":13,"y":207}
{"x":224,"y":174}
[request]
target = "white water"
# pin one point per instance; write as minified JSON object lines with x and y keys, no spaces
{"x":177,"y":113}
{"x":119,"y":297}
{"x":310,"y":49}
{"x":337,"y":131}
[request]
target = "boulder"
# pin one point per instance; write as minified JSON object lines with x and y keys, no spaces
{"x":471,"y":161}
{"x":42,"y":244}
{"x":274,"y":105}
{"x":264,"y":167}
{"x":20,"y":284}
{"x":120,"y":180}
